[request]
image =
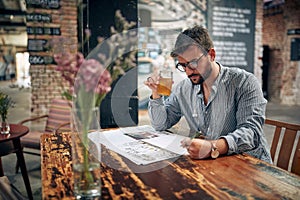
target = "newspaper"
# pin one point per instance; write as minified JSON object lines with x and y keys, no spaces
{"x":141,"y":144}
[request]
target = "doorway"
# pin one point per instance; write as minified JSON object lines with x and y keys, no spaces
{"x":265,"y":70}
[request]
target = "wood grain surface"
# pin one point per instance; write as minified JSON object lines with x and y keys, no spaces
{"x":228,"y":177}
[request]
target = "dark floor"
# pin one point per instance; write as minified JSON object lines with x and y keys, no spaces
{"x":22,"y":110}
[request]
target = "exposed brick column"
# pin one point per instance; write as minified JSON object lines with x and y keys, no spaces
{"x":290,"y":89}
{"x":45,"y":80}
{"x":284,"y":78}
{"x":258,"y":40}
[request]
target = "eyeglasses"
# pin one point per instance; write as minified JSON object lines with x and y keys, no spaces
{"x":192,"y":64}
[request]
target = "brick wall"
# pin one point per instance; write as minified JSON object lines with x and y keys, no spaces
{"x":284,"y":83}
{"x":258,"y":40}
{"x":290,"y":77}
{"x":46,"y":82}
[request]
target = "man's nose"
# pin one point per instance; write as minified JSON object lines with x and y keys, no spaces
{"x":189,"y":70}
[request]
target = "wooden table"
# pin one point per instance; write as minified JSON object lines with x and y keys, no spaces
{"x":10,"y":143}
{"x":228,"y":177}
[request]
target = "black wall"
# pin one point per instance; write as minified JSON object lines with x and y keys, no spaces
{"x":120,"y":107}
{"x":102,"y":16}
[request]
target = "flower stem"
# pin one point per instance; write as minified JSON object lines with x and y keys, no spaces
{"x":87,"y":175}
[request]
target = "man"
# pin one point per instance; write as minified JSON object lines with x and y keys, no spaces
{"x":225,"y":105}
{"x":3,"y":67}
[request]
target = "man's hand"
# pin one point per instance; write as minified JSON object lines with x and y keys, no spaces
{"x":197,"y":148}
{"x":152,"y":84}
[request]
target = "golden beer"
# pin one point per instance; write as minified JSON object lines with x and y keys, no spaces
{"x":164,"y":87}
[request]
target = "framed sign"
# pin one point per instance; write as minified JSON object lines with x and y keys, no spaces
{"x":38,"y":17}
{"x":37,"y":45}
{"x":295,"y":49}
{"x":41,"y":60}
{"x":294,"y":31}
{"x":43,"y":31}
{"x":49,"y":4}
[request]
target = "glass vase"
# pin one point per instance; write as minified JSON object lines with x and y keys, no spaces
{"x":86,"y":154}
{"x":4,"y":127}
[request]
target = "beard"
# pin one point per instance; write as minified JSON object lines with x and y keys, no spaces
{"x":196,"y":79}
{"x":201,"y":77}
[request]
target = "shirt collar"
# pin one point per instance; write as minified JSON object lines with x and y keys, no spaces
{"x":215,"y":86}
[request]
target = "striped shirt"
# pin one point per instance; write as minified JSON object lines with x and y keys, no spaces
{"x":235,"y":111}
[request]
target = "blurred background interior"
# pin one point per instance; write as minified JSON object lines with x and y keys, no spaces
{"x":260,"y":36}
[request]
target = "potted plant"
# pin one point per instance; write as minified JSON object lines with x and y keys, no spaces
{"x":5,"y":103}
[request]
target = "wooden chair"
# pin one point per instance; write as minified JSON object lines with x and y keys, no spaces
{"x":286,"y":145}
{"x":57,"y":119}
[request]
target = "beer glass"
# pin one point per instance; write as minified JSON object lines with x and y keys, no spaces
{"x":164,"y":86}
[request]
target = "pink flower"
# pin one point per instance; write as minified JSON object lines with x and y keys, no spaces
{"x":103,"y":86}
{"x":90,"y":74}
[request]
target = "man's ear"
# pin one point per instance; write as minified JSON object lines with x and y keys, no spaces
{"x":212,"y":54}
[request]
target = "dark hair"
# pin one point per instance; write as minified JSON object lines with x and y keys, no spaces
{"x":197,"y":36}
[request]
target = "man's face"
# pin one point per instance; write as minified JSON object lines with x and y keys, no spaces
{"x":202,"y":65}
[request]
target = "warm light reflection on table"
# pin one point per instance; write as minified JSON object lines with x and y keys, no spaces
{"x":228,"y":177}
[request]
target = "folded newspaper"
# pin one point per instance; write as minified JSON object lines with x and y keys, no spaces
{"x":141,"y":144}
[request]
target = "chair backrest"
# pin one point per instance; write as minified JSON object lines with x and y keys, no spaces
{"x":59,"y":113}
{"x":289,"y":144}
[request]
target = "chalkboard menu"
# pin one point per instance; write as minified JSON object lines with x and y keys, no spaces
{"x":232,"y":26}
{"x":49,"y":4}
